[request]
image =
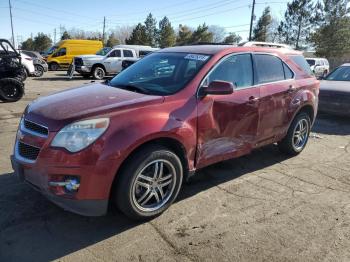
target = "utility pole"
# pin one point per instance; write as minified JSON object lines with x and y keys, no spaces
{"x":251,"y":21}
{"x":13,"y":37}
{"x":104,"y":28}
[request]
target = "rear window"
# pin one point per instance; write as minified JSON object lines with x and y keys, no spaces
{"x":269,"y":68}
{"x":127,"y":53}
{"x":311,"y":62}
{"x":301,"y":62}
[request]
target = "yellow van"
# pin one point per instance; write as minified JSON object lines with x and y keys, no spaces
{"x":62,"y":54}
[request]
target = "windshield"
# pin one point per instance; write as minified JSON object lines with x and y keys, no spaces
{"x":311,"y":62}
{"x":103,"y":51}
{"x":50,"y":50}
{"x":340,"y":74}
{"x":161,"y":73}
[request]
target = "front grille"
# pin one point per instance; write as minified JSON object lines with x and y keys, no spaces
{"x":36,"y":128}
{"x":28,"y":151}
{"x":78,"y":61}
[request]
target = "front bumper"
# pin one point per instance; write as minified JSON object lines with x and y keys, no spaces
{"x":85,"y":207}
{"x":83,"y":69}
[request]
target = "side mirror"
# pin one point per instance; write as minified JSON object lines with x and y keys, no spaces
{"x":217,"y":88}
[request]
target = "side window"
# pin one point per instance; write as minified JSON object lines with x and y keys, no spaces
{"x":269,"y":68}
{"x":60,"y":52}
{"x":237,"y":69}
{"x":115,"y":53}
{"x":127,"y":53}
{"x":288,"y":74}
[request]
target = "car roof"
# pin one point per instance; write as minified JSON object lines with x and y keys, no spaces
{"x":346,"y":64}
{"x":215,"y":49}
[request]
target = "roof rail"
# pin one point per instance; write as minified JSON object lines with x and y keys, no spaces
{"x":265,"y":44}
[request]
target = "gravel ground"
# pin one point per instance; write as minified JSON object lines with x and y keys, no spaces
{"x":261,"y":207}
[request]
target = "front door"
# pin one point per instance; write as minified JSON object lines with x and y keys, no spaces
{"x":228,"y":124}
{"x":113,"y":61}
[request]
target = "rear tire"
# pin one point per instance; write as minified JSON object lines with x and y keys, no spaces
{"x":149,"y":183}
{"x":297,"y":136}
{"x":11,"y":89}
{"x":98,"y":73}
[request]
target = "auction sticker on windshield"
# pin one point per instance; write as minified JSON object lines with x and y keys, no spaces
{"x":197,"y":57}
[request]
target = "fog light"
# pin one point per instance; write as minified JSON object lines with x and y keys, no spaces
{"x":70,"y":184}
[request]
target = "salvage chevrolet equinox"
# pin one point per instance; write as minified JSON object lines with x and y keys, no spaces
{"x":133,"y":140}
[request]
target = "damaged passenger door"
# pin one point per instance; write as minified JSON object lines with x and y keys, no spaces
{"x":228,"y":124}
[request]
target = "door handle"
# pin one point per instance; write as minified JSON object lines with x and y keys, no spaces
{"x":292,"y":88}
{"x":253,"y":99}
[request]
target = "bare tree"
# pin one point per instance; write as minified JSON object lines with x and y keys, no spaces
{"x":218,"y":32}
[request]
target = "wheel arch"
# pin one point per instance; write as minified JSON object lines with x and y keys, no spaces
{"x":171,"y":143}
{"x":96,"y":65}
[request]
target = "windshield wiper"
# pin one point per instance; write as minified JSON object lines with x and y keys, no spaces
{"x":134,"y":88}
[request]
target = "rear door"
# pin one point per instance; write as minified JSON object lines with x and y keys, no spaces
{"x":277,"y":86}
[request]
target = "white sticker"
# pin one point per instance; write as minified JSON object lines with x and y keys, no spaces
{"x":196,"y":57}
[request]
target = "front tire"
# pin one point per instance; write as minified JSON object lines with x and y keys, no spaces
{"x":98,"y":73}
{"x":54,"y":66}
{"x":149,"y":183}
{"x":39,"y":70}
{"x":297,"y":136}
{"x":11,"y":89}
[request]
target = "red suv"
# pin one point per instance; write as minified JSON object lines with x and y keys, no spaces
{"x":134,"y":139}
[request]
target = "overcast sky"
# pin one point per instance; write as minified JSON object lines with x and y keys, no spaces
{"x":33,"y":16}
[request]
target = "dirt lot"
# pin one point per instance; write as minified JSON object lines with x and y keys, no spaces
{"x":261,"y":207}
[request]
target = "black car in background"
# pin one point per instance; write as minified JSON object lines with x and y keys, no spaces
{"x":38,"y":61}
{"x":334,"y":94}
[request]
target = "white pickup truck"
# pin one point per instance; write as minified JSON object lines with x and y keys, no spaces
{"x":99,"y":66}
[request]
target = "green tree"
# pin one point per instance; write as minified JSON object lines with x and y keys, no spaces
{"x":184,"y":35}
{"x":65,"y":36}
{"x":260,"y":32}
{"x":28,"y":44}
{"x":112,"y":40}
{"x":138,"y":36}
{"x":232,"y":39}
{"x":332,"y":38}
{"x":167,"y":35}
{"x":41,"y":42}
{"x":298,"y":21}
{"x":151,"y":30}
{"x":202,"y":34}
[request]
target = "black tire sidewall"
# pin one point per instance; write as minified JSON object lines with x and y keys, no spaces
{"x":123,"y":195}
{"x":54,"y":66}
{"x":12,"y":82}
{"x":286,"y":145}
{"x":95,"y":70}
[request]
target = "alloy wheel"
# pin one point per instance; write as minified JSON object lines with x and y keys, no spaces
{"x":300,"y":134}
{"x":154,"y":185}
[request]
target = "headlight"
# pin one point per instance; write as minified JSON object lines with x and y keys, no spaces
{"x":77,"y":136}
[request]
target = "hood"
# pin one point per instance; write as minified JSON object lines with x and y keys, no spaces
{"x":94,"y":57}
{"x":337,"y":86}
{"x":57,"y":110}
